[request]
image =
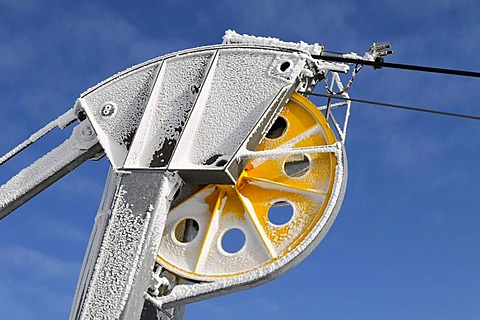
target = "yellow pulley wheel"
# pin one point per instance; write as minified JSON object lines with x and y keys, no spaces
{"x":271,"y":210}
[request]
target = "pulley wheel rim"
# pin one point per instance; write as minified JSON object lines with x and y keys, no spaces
{"x":236,"y":230}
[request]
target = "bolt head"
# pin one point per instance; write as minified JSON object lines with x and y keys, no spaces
{"x":87,"y":133}
{"x":108,"y":109}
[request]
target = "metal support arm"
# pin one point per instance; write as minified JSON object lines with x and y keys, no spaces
{"x":81,"y":146}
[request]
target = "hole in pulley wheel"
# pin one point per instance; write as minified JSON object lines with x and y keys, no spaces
{"x":280,"y":213}
{"x":278,"y":128}
{"x":296,"y":166}
{"x":186,"y":230}
{"x":233,"y":240}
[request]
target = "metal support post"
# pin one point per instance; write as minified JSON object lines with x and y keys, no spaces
{"x":118,"y":266}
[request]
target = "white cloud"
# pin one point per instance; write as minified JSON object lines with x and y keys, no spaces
{"x":59,"y":230}
{"x":37,"y":264}
{"x":25,"y":298}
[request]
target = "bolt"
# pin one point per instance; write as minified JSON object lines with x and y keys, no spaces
{"x":108,"y":109}
{"x":87,"y":133}
{"x":195,"y":89}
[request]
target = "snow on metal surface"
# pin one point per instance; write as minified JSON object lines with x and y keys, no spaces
{"x":204,"y":254}
{"x":245,"y":83}
{"x":232,"y":37}
{"x":123,"y":269}
{"x":229,"y":95}
{"x":61,"y":122}
{"x":232,"y":90}
{"x":171,"y":101}
{"x":190,"y":293}
{"x":116,"y":109}
{"x":15,"y":191}
{"x":109,"y":288}
{"x":246,"y":206}
{"x":206,"y":105}
{"x":186,"y":253}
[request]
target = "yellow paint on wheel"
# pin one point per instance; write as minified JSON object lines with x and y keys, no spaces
{"x":302,"y":182}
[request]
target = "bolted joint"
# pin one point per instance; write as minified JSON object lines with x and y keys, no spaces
{"x":84,"y":135}
{"x":108,"y":109}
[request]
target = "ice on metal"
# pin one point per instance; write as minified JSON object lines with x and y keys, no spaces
{"x":232,"y":37}
{"x":61,"y":122}
{"x":127,"y":96}
{"x":173,"y":97}
{"x":81,"y":146}
{"x":245,"y":83}
{"x":124,"y":263}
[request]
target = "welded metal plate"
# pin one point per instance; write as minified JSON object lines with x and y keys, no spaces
{"x":244,"y":84}
{"x":116,"y":107}
{"x":223,"y":214}
{"x":171,"y":102}
{"x":192,"y":112}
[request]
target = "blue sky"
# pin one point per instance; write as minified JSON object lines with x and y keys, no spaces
{"x":406,"y":242}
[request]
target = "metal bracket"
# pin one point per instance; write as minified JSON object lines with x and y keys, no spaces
{"x":81,"y":146}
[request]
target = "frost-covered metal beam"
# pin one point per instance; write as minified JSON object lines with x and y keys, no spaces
{"x":118,"y":274}
{"x":81,"y":146}
{"x":196,"y":117}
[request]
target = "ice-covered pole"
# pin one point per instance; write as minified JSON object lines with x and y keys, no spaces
{"x":118,"y":269}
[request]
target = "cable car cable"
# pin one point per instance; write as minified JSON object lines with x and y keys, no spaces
{"x":390,"y":105}
{"x":381,"y":64}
